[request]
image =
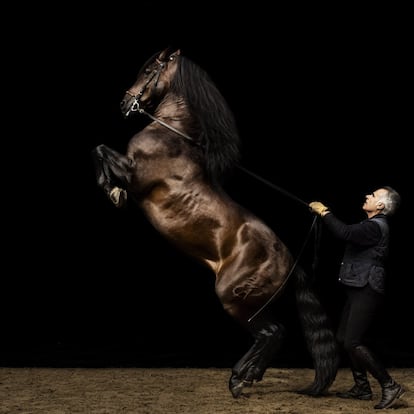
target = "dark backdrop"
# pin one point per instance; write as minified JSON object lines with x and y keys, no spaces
{"x":322,"y":105}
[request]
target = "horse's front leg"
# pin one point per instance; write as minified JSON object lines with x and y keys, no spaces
{"x":113,"y":173}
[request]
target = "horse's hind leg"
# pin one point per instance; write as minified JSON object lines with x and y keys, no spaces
{"x":112,"y":173}
{"x":268,"y":337}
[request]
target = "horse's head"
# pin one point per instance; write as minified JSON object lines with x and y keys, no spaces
{"x":152,"y":83}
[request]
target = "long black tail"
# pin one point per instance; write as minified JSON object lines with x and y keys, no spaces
{"x":319,"y":336}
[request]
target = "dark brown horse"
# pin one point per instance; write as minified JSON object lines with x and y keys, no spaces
{"x":172,"y":170}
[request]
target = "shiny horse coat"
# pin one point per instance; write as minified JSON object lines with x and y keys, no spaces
{"x":173,"y":170}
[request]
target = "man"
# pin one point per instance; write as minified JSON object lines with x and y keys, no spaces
{"x":362,"y":274}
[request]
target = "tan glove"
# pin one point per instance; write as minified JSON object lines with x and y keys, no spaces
{"x":318,"y":208}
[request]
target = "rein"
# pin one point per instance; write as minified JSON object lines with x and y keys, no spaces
{"x":272,"y":298}
{"x":142,"y":111}
{"x":275,"y":187}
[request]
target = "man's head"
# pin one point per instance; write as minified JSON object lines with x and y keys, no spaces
{"x":385,"y":200}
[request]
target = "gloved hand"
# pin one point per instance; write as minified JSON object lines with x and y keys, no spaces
{"x":318,"y":208}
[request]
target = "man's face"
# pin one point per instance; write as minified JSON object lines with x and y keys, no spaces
{"x":373,"y":201}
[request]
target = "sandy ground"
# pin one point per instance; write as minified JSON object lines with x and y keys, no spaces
{"x":179,"y":390}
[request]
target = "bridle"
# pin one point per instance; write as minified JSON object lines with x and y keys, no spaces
{"x":137,"y":106}
{"x":155,"y":75}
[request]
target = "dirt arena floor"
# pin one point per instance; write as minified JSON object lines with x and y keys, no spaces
{"x":178,"y":390}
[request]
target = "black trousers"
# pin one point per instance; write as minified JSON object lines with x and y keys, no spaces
{"x":361,"y":308}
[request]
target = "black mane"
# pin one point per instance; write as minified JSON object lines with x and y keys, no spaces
{"x":218,"y":133}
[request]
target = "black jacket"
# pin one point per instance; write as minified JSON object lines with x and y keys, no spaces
{"x":366,"y":250}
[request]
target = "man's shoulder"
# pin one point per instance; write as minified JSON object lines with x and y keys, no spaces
{"x":381,"y":220}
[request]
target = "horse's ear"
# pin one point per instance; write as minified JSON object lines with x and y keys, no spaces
{"x":168,"y":53}
{"x":174,"y":54}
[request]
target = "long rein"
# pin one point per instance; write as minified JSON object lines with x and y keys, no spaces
{"x":281,"y":190}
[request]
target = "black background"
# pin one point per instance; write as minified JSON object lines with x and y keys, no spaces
{"x":322,"y":101}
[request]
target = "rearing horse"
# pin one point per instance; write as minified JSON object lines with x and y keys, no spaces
{"x":172,"y":170}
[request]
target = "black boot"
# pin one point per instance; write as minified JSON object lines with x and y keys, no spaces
{"x":361,"y":390}
{"x":390,"y":392}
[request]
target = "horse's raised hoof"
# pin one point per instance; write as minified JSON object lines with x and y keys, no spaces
{"x":236,"y":386}
{"x":118,"y":196}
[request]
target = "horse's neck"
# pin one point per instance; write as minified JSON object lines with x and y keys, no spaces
{"x":173,"y":114}
{"x":172,"y":108}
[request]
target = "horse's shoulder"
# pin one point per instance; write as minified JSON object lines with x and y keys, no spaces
{"x":146,"y":141}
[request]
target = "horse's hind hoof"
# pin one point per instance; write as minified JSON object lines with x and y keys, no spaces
{"x":236,"y":386}
{"x":311,"y":392}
